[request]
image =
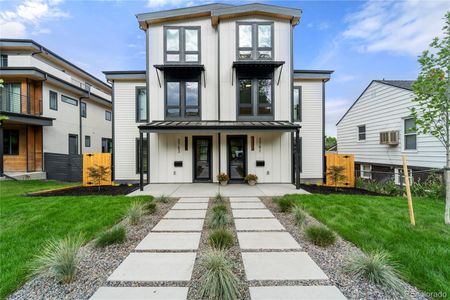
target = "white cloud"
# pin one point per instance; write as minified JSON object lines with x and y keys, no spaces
{"x":334,"y":110}
{"x":402,"y":27}
{"x":27,"y":16}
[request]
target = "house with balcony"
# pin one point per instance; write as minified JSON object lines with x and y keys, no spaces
{"x":50,"y":107}
{"x":219,"y":95}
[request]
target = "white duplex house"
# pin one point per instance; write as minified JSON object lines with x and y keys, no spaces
{"x":379,"y":129}
{"x":219,"y":94}
{"x":53,"y":109}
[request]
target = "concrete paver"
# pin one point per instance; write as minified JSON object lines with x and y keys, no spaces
{"x":245,"y":205}
{"x":257,"y":224}
{"x":190,"y":206}
{"x":185,"y":214}
{"x":244,"y":199}
{"x":252,"y":213}
{"x":316,"y":292}
{"x":170,"y":241}
{"x":194,"y":200}
{"x":179,"y":225}
{"x":266,"y":240}
{"x":140,"y":293}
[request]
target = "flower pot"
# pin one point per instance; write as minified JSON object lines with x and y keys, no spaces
{"x":223,"y":182}
{"x":251,"y":182}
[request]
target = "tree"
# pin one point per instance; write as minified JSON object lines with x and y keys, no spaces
{"x":330,"y":141}
{"x":432,"y":97}
{"x":98,"y":174}
{"x":336,"y":174}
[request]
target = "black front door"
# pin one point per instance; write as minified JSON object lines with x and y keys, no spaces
{"x":202,"y":158}
{"x":237,"y":157}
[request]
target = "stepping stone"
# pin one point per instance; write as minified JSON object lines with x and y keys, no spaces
{"x":314,"y":292}
{"x":170,"y":241}
{"x":235,"y":205}
{"x":266,"y":240}
{"x":179,"y":225}
{"x":281,"y":266}
{"x":257,"y":224}
{"x":185,"y":214}
{"x":244,"y":199}
{"x":252,"y":213}
{"x":140,"y":293}
{"x":193,"y":200}
{"x":155,"y":267}
{"x":190,"y":206}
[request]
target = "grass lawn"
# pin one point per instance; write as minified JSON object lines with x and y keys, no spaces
{"x":27,"y":222}
{"x":422,"y":251}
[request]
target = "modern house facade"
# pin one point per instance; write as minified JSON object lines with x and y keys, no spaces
{"x":51,"y":106}
{"x":379,"y":129}
{"x":219,"y":95}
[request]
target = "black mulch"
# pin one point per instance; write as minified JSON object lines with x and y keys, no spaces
{"x":327,"y":190}
{"x":89,"y":190}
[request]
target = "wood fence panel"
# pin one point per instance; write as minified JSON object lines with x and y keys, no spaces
{"x":93,"y":160}
{"x":345,"y":160}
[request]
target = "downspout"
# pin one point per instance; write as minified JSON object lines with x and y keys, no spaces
{"x":324,"y":163}
{"x":147,"y":92}
{"x":293,"y":157}
{"x":81,"y":124}
{"x":113,"y":139}
{"x":218,"y":77}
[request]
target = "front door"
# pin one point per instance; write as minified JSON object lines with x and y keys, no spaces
{"x":202,"y":158}
{"x":237,"y":157}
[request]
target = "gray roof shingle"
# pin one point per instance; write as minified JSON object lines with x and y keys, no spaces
{"x":404,"y":84}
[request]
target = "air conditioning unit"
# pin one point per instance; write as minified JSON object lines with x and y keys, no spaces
{"x":389,"y":137}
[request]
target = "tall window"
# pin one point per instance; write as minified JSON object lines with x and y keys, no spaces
{"x":83,"y":109}
{"x":106,"y":145}
{"x":182,"y":99}
{"x":73,"y":144}
{"x":108,"y":115}
{"x":362,"y":133}
{"x":87,"y":140}
{"x":141,"y":105}
{"x":182,"y":44}
{"x":297,"y":104}
{"x":255,"y":98}
{"x":144,"y":155}
{"x":3,"y":60}
{"x":11,"y":142}
{"x":10,"y":97}
{"x":255,"y":41}
{"x":53,"y":100}
{"x":410,"y":134}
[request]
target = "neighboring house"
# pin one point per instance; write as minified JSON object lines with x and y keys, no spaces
{"x":378,"y":129}
{"x":219,"y":94}
{"x":52,"y":106}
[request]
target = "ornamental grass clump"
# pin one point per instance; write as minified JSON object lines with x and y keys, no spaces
{"x":150,"y":207}
{"x":59,"y":258}
{"x":218,"y":198}
{"x":115,"y":235}
{"x":285,"y":204}
{"x":218,"y":281}
{"x":320,"y":235}
{"x":377,"y":268}
{"x":219,"y":217}
{"x":221,"y":239}
{"x":162,"y":199}
{"x":135,"y":212}
{"x":299,"y":215}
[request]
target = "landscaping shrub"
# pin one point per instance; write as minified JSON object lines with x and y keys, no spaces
{"x":115,"y":235}
{"x":299,"y":215}
{"x":285,"y":204}
{"x":377,"y":268}
{"x":432,"y":187}
{"x":221,"y":239}
{"x":219,"y":217}
{"x":387,"y":188}
{"x":218,"y":198}
{"x":59,"y":258}
{"x":276,"y":199}
{"x":320,"y":235}
{"x":135,"y":213}
{"x":150,"y":207}
{"x":220,"y":208}
{"x":162,"y":199}
{"x":218,"y":282}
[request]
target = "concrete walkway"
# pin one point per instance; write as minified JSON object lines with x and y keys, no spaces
{"x":211,"y":189}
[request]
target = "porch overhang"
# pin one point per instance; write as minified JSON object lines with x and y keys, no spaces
{"x":219,"y":126}
{"x":17,"y":118}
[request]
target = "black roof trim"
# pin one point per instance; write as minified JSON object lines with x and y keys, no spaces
{"x":314,"y":71}
{"x":313,"y":74}
{"x":29,"y":119}
{"x":403,"y":84}
{"x":124,"y":72}
{"x":179,"y":67}
{"x":125,"y":75}
{"x":169,"y":13}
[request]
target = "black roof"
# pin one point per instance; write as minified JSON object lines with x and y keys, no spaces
{"x":404,"y":84}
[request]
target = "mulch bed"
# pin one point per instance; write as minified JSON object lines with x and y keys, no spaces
{"x":106,"y":190}
{"x":327,"y":190}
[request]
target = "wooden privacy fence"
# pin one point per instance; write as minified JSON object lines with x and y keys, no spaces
{"x":94,"y":160}
{"x":345,"y":160}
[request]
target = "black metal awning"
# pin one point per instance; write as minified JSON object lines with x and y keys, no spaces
{"x":218,"y":126}
{"x":272,"y":64}
{"x":181,"y":70}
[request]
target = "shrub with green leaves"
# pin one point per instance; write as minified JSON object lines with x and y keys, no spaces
{"x":219,"y":217}
{"x":135,"y":212}
{"x":377,"y":268}
{"x":115,"y":235}
{"x":162,"y":199}
{"x":285,"y":204}
{"x":220,"y":208}
{"x":59,"y":258}
{"x":150,"y":207}
{"x":218,"y":281}
{"x":299,"y":215}
{"x":276,"y":199}
{"x":221,"y":239}
{"x":320,"y":235}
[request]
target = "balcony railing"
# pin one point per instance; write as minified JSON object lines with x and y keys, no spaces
{"x":19,"y":103}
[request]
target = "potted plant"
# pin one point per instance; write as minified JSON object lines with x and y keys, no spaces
{"x":251,"y":179}
{"x":223,"y":178}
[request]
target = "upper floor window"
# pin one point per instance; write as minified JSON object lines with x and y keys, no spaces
{"x":297,"y":104}
{"x":69,"y":100}
{"x":87,"y":140}
{"x":106,"y":145}
{"x":141,"y":104}
{"x":83,"y":109}
{"x":182,"y":44}
{"x":3,"y":60}
{"x":108,"y":115}
{"x":182,"y":99}
{"x":410,"y":134}
{"x":255,"y":41}
{"x":362,"y":133}
{"x":53,"y":100}
{"x":255,"y":98}
{"x":10,"y":97}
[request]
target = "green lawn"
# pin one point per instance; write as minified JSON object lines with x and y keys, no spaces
{"x":422,"y":251}
{"x":27,"y":222}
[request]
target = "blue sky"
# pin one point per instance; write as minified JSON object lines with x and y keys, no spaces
{"x":360,"y":40}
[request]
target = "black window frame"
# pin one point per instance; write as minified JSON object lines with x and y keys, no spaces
{"x":255,"y":99}
{"x":4,"y":60}
{"x":83,"y":113}
{"x":106,"y":143}
{"x":77,"y":141}
{"x":8,"y":147}
{"x":183,"y":106}
{"x":297,"y":117}
{"x":255,"y":39}
{"x":138,"y":104}
{"x":359,"y":132}
{"x":108,"y":113}
{"x":182,"y":52}
{"x":145,"y":157}
{"x":69,"y":100}
{"x":55,"y":106}
{"x":87,"y":141}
